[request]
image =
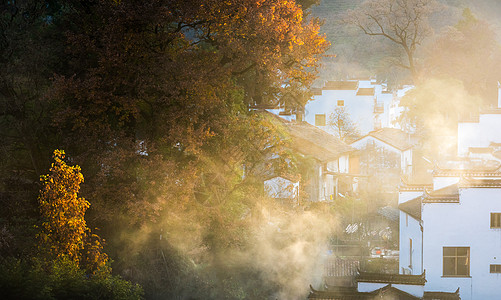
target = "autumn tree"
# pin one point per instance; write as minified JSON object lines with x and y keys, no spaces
{"x":64,"y":231}
{"x":152,"y":100}
{"x":403,"y":22}
{"x":343,"y":126}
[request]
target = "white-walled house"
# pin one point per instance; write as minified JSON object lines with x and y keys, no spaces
{"x":452,"y":230}
{"x":393,"y":140}
{"x":479,"y":136}
{"x":368,"y":104}
{"x":329,"y":157}
{"x":372,"y":286}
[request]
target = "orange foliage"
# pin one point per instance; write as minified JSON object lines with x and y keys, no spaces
{"x":64,"y":231}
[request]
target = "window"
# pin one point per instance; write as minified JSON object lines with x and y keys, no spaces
{"x":320,"y":120}
{"x":456,"y":261}
{"x":495,"y":268}
{"x":340,"y":102}
{"x":495,"y":220}
{"x":410,"y":253}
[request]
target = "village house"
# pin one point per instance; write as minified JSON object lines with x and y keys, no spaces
{"x":393,"y":140}
{"x":370,"y":105}
{"x":331,"y":169}
{"x":372,"y":286}
{"x":452,"y":227}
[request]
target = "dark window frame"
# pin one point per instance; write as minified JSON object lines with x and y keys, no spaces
{"x":318,"y":118}
{"x":495,"y":220}
{"x":456,"y":256}
{"x":495,"y":269}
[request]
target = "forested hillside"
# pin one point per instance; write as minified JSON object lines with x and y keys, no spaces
{"x":358,"y":55}
{"x":128,"y":148}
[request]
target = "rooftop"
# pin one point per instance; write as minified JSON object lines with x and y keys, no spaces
{"x":344,"y":293}
{"x":479,"y":183}
{"x":448,"y":194}
{"x":391,"y":278}
{"x":341,"y":85}
{"x":365,"y":92}
{"x":413,"y":186}
{"x":468,"y":168}
{"x":310,"y":140}
{"x":396,"y":138}
{"x":412,"y":207}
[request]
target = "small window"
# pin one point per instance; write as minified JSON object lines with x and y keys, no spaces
{"x":340,"y":102}
{"x":495,"y":268}
{"x":320,"y":120}
{"x":495,"y":220}
{"x":410,"y":253}
{"x":456,"y":261}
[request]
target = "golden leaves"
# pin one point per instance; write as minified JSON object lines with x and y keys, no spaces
{"x":64,"y":230}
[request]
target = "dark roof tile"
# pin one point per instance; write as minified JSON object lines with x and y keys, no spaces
{"x":341,"y":85}
{"x":412,"y":207}
{"x":391,"y":278}
{"x":394,"y":137}
{"x":448,"y":194}
{"x":310,"y":140}
{"x":365,"y":92}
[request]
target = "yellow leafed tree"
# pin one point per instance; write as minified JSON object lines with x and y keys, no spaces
{"x":64,"y":231}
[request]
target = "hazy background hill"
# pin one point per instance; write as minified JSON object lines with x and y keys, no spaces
{"x":358,"y":55}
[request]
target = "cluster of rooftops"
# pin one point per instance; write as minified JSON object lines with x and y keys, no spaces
{"x":393,"y":286}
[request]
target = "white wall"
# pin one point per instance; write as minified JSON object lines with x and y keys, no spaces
{"x":366,"y":287}
{"x":405,"y":156}
{"x":443,"y":181}
{"x":464,"y":224}
{"x":479,"y":134}
{"x":406,"y":161}
{"x":410,"y":228}
{"x":344,"y":164}
{"x":404,"y":196}
{"x":276,"y":111}
{"x":359,"y":108}
{"x":279,"y":187}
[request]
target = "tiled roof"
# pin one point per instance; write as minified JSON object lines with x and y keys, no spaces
{"x":468,"y":168}
{"x":394,"y":137}
{"x":441,"y":295}
{"x":341,"y":85}
{"x":389,"y":212}
{"x":339,"y":293}
{"x":310,"y":140}
{"x":412,"y":207}
{"x":391,"y":278}
{"x":365,"y":92}
{"x":481,"y":150}
{"x":341,"y":267}
{"x":479,"y":183}
{"x":316,"y":91}
{"x":406,"y":186}
{"x":448,"y":194}
{"x":351,"y":293}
